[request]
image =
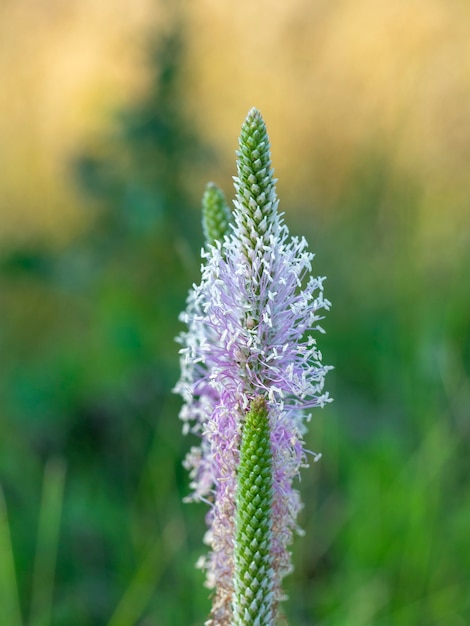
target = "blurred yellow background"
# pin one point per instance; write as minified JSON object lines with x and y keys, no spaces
{"x":332,"y":79}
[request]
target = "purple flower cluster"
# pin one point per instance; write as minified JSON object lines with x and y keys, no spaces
{"x":249,"y":324}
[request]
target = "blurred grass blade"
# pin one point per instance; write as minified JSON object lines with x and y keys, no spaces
{"x":142,"y":586}
{"x":48,"y":536}
{"x":9,"y":601}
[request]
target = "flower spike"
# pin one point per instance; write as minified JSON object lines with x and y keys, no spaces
{"x":253,"y":579}
{"x":216,"y":215}
{"x":250,"y":373}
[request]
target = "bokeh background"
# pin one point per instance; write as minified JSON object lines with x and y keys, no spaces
{"x":113,"y":117}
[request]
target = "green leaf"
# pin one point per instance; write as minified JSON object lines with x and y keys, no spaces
{"x":9,"y":601}
{"x":48,"y":538}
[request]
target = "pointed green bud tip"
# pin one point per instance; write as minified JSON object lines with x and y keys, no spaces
{"x":253,"y":579}
{"x":256,"y":199}
{"x":254,"y":154}
{"x":216,"y":215}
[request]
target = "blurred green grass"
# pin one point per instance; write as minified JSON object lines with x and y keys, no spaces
{"x":91,"y":447}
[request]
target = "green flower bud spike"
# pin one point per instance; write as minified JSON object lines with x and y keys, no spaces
{"x":216,"y":215}
{"x":253,"y":603}
{"x":250,"y":373}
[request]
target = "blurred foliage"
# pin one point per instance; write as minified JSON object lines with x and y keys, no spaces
{"x":89,"y":360}
{"x":385,"y":518}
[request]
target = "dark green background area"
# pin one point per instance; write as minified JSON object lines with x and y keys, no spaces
{"x":91,"y":447}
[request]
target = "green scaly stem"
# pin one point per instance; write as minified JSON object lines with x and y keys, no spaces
{"x":253,"y":582}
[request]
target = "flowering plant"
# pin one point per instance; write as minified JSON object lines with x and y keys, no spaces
{"x":250,"y":372}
